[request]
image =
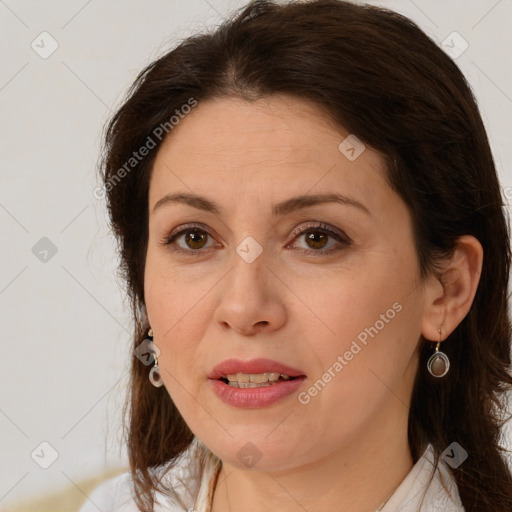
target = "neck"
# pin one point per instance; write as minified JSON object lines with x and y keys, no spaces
{"x":358,"y":477}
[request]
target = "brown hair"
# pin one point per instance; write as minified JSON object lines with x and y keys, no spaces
{"x":380,"y":77}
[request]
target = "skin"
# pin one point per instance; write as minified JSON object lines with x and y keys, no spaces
{"x":300,"y":309}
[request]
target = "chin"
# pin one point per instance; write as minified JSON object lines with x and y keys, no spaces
{"x":257,"y":452}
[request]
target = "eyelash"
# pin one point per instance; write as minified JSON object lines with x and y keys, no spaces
{"x":318,"y":227}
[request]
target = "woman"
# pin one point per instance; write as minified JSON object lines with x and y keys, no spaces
{"x":313,"y":237}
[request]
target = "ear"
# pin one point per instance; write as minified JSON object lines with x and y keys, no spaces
{"x":450,"y":295}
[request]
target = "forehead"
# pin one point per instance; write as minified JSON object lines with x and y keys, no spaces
{"x":272,"y":148}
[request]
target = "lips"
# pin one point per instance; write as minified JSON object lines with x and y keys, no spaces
{"x":232,"y":366}
{"x":252,"y":395}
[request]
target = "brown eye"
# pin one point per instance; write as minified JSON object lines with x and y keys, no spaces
{"x":189,"y":239}
{"x":195,"y":239}
{"x":317,"y":237}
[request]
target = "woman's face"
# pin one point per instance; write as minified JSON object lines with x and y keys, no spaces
{"x":326,"y":292}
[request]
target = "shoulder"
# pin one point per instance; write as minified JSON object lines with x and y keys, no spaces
{"x":429,"y":487}
{"x":444,"y":495}
{"x":118,"y":495}
{"x":184,"y":481}
{"x":114,"y":495}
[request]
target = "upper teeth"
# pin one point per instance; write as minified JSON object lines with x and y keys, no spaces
{"x":257,"y":378}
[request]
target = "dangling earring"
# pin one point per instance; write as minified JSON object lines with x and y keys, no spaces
{"x":154,"y":374}
{"x":438,"y":363}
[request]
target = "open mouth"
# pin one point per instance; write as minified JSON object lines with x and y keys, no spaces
{"x":255,"y":380}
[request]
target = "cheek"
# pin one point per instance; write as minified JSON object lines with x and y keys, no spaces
{"x":371,"y":328}
{"x":357,"y":381}
{"x":178,"y":318}
{"x":180,"y":306}
{"x":176,"y":297}
{"x":363,"y":303}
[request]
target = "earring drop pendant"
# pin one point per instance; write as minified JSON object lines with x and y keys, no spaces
{"x":438,"y":363}
{"x":155,"y":378}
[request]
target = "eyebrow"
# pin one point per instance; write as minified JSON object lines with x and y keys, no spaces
{"x":283,"y":208}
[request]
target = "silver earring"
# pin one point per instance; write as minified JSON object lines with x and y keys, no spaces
{"x":154,"y":374}
{"x":438,"y":363}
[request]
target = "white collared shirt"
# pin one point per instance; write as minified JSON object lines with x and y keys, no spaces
{"x":418,"y":492}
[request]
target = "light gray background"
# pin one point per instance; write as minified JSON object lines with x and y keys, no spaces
{"x":65,"y":328}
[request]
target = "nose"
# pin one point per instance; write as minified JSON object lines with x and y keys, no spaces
{"x":251,"y":298}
